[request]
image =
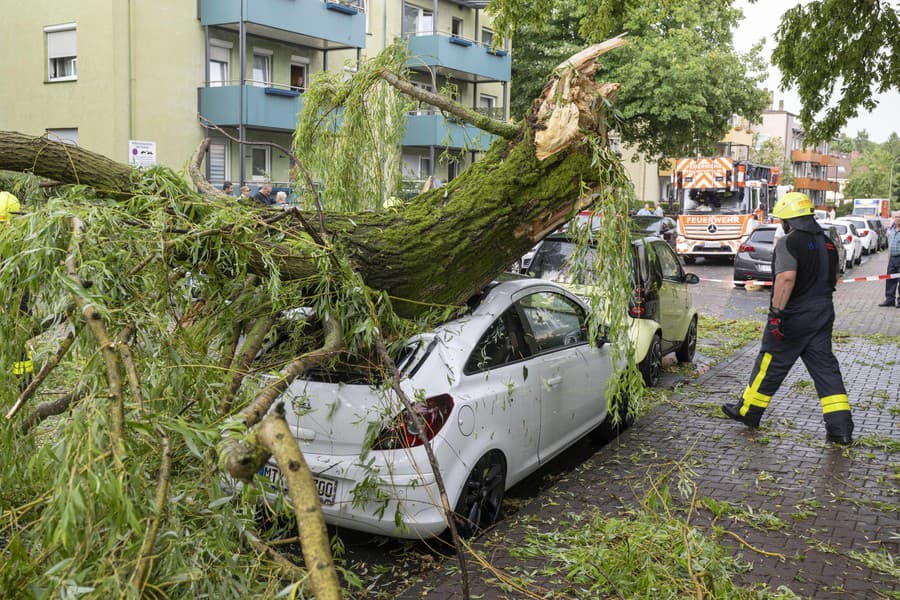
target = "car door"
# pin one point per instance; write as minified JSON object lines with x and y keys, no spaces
{"x":573,"y":376}
{"x":497,"y":373}
{"x":674,"y":298}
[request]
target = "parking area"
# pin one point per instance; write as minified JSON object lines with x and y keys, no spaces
{"x":807,"y":515}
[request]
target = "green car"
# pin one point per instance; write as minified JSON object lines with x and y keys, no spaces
{"x":662,"y":318}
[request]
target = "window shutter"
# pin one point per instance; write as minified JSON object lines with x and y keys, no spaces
{"x":61,"y":44}
{"x":216,"y":161}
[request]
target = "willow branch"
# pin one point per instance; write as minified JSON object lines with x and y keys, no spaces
{"x":48,"y":367}
{"x":95,"y":323}
{"x":241,"y":458}
{"x":286,"y":566}
{"x":422,"y":427}
{"x":276,"y":436}
{"x":203,"y":186}
{"x":505,"y":130}
{"x":253,"y":342}
{"x":123,"y":343}
{"x":145,"y":558}
{"x":50,"y":408}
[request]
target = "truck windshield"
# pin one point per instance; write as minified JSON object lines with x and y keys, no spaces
{"x":698,"y":202}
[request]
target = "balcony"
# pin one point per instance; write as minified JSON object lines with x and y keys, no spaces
{"x":324,"y":25}
{"x":264,"y":107}
{"x":427,"y":128}
{"x":464,"y":59}
{"x":808,"y":183}
{"x":811,"y":156}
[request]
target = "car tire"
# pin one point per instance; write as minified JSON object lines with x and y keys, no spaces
{"x":689,"y":260}
{"x":688,"y":347}
{"x":481,"y":497}
{"x":607,"y":431}
{"x":651,"y":366}
{"x":858,"y":260}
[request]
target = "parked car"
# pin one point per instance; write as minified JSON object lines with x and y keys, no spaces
{"x":849,"y":239}
{"x":877,"y":225}
{"x":661,"y":227}
{"x":662,"y":318}
{"x":832,"y":232}
{"x":521,"y":265}
{"x":502,"y":389}
{"x":867,"y":237}
{"x":753,"y":260}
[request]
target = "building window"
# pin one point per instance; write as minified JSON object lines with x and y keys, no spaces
{"x":424,"y":167}
{"x":417,"y":20}
{"x":219,"y":63}
{"x":67,"y":135}
{"x":219,"y":167}
{"x":299,"y":73}
{"x":487,"y":36}
{"x":62,"y":52}
{"x":262,"y":67}
{"x":456,"y":27}
{"x":487,"y":105}
{"x":257,"y":162}
{"x":424,"y":107}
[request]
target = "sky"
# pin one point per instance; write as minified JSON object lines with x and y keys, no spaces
{"x":761,"y":19}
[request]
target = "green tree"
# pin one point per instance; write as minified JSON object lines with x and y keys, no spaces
{"x":869,"y":174}
{"x":681,"y":78}
{"x":771,"y":152}
{"x":846,"y":47}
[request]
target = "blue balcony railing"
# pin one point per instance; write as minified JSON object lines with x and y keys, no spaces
{"x":427,"y":128}
{"x":459,"y":54}
{"x":341,"y":22}
{"x":265,"y":107}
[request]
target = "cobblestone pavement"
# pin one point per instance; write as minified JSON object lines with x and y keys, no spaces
{"x":809,"y":512}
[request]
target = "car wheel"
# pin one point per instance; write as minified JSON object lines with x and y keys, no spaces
{"x":685,"y":352}
{"x":651,"y":366}
{"x":858,"y":259}
{"x":479,"y":501}
{"x":607,"y":430}
{"x":689,"y":260}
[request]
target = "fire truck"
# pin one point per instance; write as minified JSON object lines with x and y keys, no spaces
{"x":720,"y":201}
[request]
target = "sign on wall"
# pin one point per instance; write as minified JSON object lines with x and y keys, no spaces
{"x":141,"y":154}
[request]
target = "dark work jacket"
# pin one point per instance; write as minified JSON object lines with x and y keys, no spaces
{"x":816,"y":259}
{"x":263,"y":199}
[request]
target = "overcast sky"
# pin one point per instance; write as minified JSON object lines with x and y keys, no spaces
{"x":761,"y":19}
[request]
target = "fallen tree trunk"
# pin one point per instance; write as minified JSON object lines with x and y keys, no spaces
{"x":446,"y":244}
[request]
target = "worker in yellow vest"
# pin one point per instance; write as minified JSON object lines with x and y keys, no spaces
{"x":9,"y":205}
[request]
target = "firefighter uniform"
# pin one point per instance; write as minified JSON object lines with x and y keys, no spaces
{"x":802,"y":329}
{"x":24,"y":367}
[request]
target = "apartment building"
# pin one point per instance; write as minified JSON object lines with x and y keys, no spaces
{"x":818,"y":172}
{"x":117,"y":75}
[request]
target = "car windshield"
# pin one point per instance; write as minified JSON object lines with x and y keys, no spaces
{"x":553,"y":262}
{"x":841,"y":229}
{"x":646,"y":224}
{"x":766,"y":236}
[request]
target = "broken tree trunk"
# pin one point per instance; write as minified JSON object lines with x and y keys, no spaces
{"x":446,"y":244}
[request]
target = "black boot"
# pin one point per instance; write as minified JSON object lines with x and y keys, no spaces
{"x":839,"y":427}
{"x":751,"y":419}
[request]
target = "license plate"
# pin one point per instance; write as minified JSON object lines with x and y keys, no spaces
{"x":326,"y":486}
{"x":764,"y":268}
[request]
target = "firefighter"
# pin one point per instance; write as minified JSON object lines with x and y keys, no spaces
{"x":23,"y":368}
{"x":801,"y":316}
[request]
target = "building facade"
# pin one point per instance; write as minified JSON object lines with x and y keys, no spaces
{"x":107,"y":74}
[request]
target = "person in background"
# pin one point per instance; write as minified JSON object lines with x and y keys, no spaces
{"x":281,"y":200}
{"x":227,"y":188}
{"x":800,"y":322}
{"x":658,"y":210}
{"x":300,"y":83}
{"x":645,"y":212}
{"x":264,"y":195}
{"x":891,"y":285}
{"x":23,"y":368}
{"x":245,"y":192}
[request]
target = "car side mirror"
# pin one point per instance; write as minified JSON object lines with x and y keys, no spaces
{"x":691,"y":278}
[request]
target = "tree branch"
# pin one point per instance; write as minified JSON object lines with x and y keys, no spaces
{"x":499,"y":128}
{"x":145,"y":558}
{"x":252,"y":343}
{"x":50,"y":408}
{"x":48,"y":367}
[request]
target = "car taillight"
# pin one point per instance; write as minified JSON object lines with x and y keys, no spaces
{"x":746,"y":248}
{"x":636,"y":307}
{"x":849,"y":238}
{"x":863,"y":232}
{"x":402,"y":432}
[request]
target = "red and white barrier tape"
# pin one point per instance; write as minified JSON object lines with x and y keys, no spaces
{"x":850,"y":280}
